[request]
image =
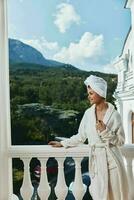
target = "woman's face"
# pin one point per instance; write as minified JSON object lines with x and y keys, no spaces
{"x":93,"y":97}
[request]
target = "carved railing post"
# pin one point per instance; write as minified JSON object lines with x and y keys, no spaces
{"x":78,"y":187}
{"x":61,"y":189}
{"x":44,"y":188}
{"x":130,"y":177}
{"x":27,"y":188}
{"x":46,"y":151}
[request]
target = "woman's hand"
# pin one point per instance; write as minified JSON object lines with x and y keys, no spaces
{"x":55,"y":144}
{"x":100,"y":126}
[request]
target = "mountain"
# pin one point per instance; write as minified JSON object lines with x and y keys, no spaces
{"x":20,"y":52}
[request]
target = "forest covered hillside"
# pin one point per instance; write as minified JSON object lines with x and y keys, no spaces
{"x":48,"y":102}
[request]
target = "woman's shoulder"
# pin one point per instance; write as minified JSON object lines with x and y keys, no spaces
{"x":115,"y":114}
{"x":112,"y":108}
{"x":90,"y":109}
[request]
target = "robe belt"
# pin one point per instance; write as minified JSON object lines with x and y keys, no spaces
{"x":93,"y":156}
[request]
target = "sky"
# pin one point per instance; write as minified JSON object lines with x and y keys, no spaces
{"x":88,"y":34}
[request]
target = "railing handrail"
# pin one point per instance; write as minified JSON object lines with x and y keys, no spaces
{"x":45,"y":151}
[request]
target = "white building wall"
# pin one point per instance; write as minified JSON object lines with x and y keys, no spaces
{"x":128,"y":108}
{"x":124,"y":93}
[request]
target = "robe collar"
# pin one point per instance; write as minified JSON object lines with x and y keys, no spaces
{"x":107,"y":115}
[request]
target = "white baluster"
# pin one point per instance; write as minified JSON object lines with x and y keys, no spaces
{"x":78,"y":188}
{"x":14,"y":197}
{"x":27,"y":188}
{"x":61,"y":189}
{"x":44,"y":188}
{"x":130,"y":177}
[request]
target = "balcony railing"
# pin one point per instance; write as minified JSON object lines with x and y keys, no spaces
{"x":43,"y":153}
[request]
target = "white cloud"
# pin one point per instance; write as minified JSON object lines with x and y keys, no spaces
{"x":89,"y":47}
{"x":41,"y":44}
{"x":109,"y":67}
{"x":86,"y":54}
{"x":65,"y":17}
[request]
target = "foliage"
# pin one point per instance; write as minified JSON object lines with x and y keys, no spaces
{"x":47,"y":102}
{"x":41,"y":95}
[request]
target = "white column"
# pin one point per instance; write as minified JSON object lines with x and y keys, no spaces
{"x":61,"y":189}
{"x":5,"y":141}
{"x":26,"y":188}
{"x":128,"y":153}
{"x":78,"y":188}
{"x":130,"y":176}
{"x":44,"y":188}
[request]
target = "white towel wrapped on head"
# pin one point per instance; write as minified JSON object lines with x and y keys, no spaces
{"x":98,"y":84}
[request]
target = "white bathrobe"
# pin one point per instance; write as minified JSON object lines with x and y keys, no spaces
{"x":104,"y":153}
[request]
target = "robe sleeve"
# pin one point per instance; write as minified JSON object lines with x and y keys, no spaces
{"x":114,"y":135}
{"x":80,"y":137}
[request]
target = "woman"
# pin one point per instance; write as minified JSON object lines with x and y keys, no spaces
{"x":101,"y":124}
